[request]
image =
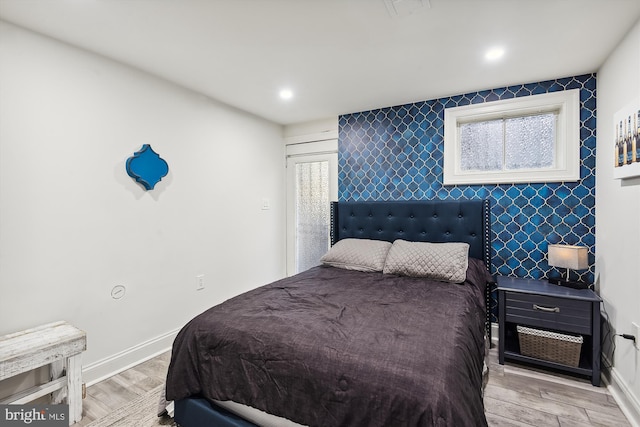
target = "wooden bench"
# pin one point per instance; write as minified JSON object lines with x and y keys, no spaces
{"x":58,"y":345}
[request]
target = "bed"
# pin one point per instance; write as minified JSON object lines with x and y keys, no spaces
{"x":334,"y":346}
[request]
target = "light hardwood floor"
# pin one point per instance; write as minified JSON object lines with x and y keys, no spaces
{"x":524,"y":396}
{"x":514,"y":396}
{"x":118,"y":390}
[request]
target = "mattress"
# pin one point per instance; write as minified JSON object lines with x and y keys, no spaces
{"x":255,"y":416}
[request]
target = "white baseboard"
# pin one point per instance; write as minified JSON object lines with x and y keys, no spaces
{"x":116,"y":363}
{"x":624,"y":397}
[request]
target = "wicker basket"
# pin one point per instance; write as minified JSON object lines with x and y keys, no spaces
{"x":551,"y":346}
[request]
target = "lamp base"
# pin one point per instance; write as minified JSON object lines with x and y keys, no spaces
{"x":568,"y":284}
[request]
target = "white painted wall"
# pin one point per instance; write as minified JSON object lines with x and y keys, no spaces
{"x":73,"y":224}
{"x":618,"y":214}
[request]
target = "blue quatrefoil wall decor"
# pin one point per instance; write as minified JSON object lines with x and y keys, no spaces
{"x":146,"y":167}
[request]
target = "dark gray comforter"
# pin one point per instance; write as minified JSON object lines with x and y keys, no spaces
{"x":332,"y":347}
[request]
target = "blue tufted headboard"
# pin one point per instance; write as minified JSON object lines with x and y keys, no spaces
{"x":416,"y":220}
{"x":434,"y":221}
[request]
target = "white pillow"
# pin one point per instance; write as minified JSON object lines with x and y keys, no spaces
{"x":446,"y":262}
{"x":357,"y":254}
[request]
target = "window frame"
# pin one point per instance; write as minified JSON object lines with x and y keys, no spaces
{"x":567,"y":143}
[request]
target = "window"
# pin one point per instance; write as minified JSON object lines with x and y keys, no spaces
{"x":312,"y":182}
{"x":529,"y":139}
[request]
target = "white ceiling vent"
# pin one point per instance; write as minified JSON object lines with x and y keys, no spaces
{"x":397,"y":8}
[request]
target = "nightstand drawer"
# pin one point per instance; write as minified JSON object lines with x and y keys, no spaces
{"x":549,"y":312}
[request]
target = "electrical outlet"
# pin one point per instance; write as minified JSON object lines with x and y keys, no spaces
{"x":199,"y":282}
{"x":636,"y":333}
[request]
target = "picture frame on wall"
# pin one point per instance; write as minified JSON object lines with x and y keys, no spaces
{"x":626,"y":142}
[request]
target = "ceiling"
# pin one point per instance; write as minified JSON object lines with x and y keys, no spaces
{"x":336,"y":56}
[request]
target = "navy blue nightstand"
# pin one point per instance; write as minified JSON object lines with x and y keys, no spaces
{"x":539,"y":304}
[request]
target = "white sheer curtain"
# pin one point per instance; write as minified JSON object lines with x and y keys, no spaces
{"x":508,"y":144}
{"x":312,"y":213}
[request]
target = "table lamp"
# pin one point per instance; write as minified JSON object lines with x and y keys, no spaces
{"x":569,"y":257}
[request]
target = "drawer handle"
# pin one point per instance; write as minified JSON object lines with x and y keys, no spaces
{"x":547,"y":309}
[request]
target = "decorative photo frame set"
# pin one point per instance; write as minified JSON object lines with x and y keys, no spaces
{"x":626,"y":142}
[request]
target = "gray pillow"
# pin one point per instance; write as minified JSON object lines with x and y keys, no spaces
{"x":446,"y":262}
{"x":357,"y":254}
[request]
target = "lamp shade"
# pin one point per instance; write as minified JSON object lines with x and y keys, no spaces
{"x":567,"y":256}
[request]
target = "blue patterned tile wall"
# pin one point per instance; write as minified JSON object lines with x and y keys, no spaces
{"x":396,"y":153}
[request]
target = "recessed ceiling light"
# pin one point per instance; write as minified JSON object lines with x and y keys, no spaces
{"x":494,"y":53}
{"x":286,"y":94}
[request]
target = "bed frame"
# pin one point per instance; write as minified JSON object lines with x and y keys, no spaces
{"x":435,"y":221}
